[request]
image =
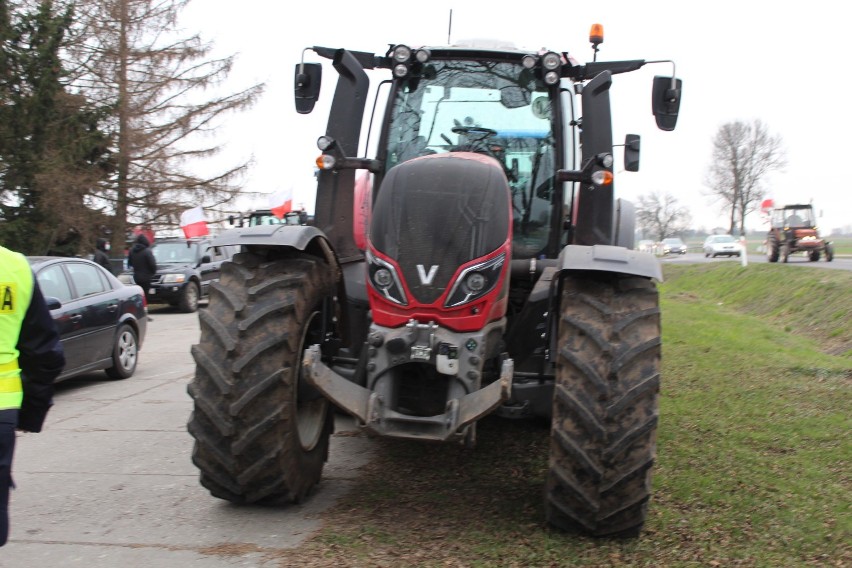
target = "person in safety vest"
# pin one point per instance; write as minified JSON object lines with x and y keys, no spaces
{"x":31,"y":357}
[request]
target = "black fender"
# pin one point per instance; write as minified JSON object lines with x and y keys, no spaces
{"x":606,"y":258}
{"x":301,"y":237}
{"x":312,"y":240}
{"x":295,"y":236}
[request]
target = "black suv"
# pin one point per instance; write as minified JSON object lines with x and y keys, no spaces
{"x":185,"y":269}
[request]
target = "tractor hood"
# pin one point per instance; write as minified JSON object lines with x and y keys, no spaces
{"x":436,"y":213}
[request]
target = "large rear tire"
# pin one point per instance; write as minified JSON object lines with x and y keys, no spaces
{"x":260,"y":436}
{"x":772,"y":250}
{"x":605,"y":408}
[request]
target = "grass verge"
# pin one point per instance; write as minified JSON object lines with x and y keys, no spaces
{"x":753,"y":450}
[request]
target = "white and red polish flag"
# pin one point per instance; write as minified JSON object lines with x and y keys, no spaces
{"x":281,"y":202}
{"x":193,"y":223}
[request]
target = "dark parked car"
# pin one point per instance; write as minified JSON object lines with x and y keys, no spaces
{"x":674,"y":245}
{"x":101,"y":321}
{"x":185,"y":269}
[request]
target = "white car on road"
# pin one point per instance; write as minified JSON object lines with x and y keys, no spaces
{"x":722,"y":245}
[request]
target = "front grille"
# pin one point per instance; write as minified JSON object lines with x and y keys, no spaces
{"x":420,"y":390}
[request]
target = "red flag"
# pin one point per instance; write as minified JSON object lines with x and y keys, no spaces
{"x":145,"y":230}
{"x":193,"y":223}
{"x":281,"y":202}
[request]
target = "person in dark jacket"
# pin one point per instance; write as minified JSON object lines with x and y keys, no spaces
{"x":31,"y":357}
{"x":143,"y":263}
{"x":101,"y":256}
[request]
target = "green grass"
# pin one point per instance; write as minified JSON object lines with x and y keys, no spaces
{"x":753,"y":450}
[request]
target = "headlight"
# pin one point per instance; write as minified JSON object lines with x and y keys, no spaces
{"x":400,"y":70}
{"x":173,"y":278}
{"x":383,"y":278}
{"x":401,"y":53}
{"x":475,"y":282}
{"x":551,"y":61}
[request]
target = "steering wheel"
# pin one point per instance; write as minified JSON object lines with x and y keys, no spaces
{"x":478,"y":131}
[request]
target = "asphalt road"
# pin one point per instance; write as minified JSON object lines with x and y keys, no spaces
{"x":839,"y":263}
{"x":109,"y":482}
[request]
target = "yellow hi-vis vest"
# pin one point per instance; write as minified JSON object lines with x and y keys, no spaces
{"x":16,"y":290}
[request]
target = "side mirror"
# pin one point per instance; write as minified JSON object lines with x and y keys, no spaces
{"x":52,"y":303}
{"x":306,"y":86}
{"x":666,"y":96}
{"x":631,"y":152}
{"x":205,"y":259}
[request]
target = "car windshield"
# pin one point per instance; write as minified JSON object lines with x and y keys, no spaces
{"x":673,"y":241}
{"x":291,"y":218}
{"x":724,"y":239}
{"x":177,"y":252}
{"x":499,"y":109}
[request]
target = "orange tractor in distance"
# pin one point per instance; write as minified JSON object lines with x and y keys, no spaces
{"x":793,"y":229}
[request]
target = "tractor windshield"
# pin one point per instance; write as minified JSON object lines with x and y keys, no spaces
{"x":793,"y":217}
{"x":494,"y":108}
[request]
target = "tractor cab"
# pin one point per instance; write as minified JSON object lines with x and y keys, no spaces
{"x":794,"y":217}
{"x":494,"y":107}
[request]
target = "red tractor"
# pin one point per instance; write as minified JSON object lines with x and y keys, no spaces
{"x":793,"y":229}
{"x":479,"y":264}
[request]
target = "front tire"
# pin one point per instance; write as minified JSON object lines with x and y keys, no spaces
{"x":772,"y":251}
{"x":259,"y":437}
{"x":605,"y":410}
{"x":125,"y":353}
{"x":188,"y":302}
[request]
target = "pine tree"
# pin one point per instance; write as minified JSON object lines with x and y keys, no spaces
{"x":51,"y":149}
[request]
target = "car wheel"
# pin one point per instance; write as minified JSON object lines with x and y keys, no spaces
{"x":125,"y":353}
{"x":189,"y":298}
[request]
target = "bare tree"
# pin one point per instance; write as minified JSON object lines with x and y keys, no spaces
{"x":130,"y":57}
{"x":743,"y":155}
{"x":660,"y":216}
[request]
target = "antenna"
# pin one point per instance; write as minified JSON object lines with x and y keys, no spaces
{"x":450,"y":29}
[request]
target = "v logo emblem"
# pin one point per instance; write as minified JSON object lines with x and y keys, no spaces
{"x":427,"y":277}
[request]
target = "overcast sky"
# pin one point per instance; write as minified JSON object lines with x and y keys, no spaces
{"x":739,"y":60}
